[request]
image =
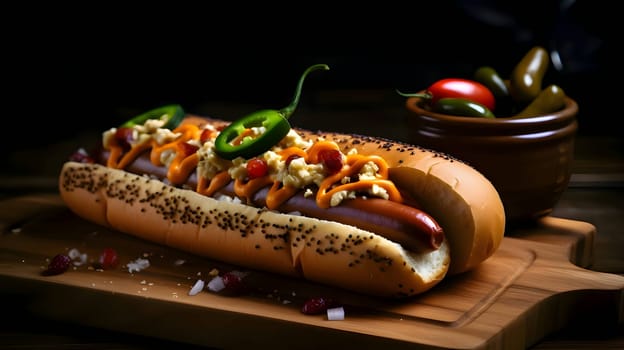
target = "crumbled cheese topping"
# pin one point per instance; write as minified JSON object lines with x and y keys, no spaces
{"x":369,"y":171}
{"x":339,"y":196}
{"x":257,"y":130}
{"x":167,"y":156}
{"x":152,"y":129}
{"x":274,"y":161}
{"x":378,"y":191}
{"x":238,"y":169}
{"x":210,"y":164}
{"x":230,"y":199}
{"x":293,"y":139}
{"x":107,"y":137}
{"x":151,"y":125}
{"x":300,"y":174}
{"x":163,"y":136}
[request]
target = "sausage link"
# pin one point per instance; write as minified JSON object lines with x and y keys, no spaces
{"x":409,"y":226}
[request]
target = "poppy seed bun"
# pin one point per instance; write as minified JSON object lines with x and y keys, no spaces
{"x":323,"y":251}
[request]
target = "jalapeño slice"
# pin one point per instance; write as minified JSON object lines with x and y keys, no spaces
{"x":171,"y":114}
{"x":233,"y":141}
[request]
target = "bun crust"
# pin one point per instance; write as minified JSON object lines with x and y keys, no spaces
{"x":322,"y":251}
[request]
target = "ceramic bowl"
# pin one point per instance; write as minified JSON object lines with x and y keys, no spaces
{"x":528,"y":160}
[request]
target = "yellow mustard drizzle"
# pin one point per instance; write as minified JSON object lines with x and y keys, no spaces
{"x":293,"y":151}
{"x":118,"y":160}
{"x":246,"y":189}
{"x":279,"y":194}
{"x":208,"y":187}
{"x":182,"y":165}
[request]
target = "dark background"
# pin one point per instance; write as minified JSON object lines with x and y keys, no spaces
{"x":72,"y":69}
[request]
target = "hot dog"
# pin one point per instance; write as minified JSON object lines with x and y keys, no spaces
{"x":390,"y":219}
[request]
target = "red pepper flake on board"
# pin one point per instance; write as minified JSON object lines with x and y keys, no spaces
{"x":59,"y":264}
{"x":318,"y":305}
{"x":108,"y":259}
{"x":230,"y":283}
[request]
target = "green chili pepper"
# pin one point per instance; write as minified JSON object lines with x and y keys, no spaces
{"x":232,"y":143}
{"x":461,"y":107}
{"x":526,"y":78}
{"x":489,"y":77}
{"x":550,"y":100}
{"x":171,"y":114}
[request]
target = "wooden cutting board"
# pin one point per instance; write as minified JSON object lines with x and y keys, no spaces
{"x":533,"y":285}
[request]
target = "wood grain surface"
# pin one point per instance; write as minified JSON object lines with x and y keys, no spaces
{"x":535,"y":284}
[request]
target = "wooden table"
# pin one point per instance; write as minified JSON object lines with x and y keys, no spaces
{"x":593,"y":199}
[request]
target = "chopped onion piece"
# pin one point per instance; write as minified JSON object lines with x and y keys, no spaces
{"x":198,"y":287}
{"x":77,"y":257}
{"x":73,"y":253}
{"x":138,"y":265}
{"x":216,"y":284}
{"x":83,"y":259}
{"x":336,"y":314}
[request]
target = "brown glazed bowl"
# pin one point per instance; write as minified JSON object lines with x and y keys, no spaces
{"x":528,"y":159}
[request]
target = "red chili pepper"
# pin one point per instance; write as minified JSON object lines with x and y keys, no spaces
{"x":457,"y":88}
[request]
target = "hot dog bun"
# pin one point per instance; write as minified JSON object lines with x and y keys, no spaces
{"x":461,"y":199}
{"x":322,"y":251}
